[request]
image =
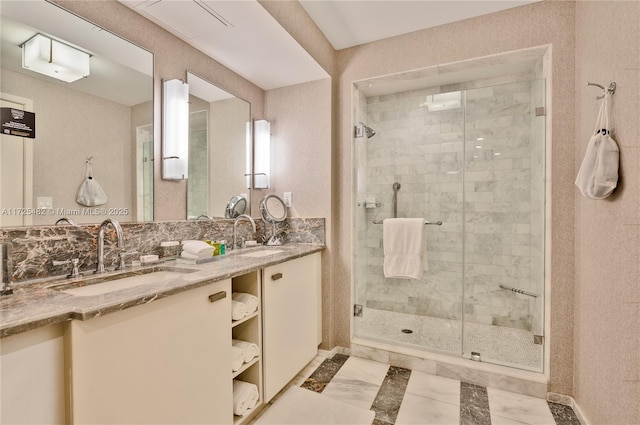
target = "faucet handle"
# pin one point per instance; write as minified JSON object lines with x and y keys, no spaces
{"x":123,"y":256}
{"x":75,"y":272}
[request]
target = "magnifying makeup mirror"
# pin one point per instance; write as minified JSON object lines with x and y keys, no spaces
{"x":236,"y":206}
{"x":273,"y":211}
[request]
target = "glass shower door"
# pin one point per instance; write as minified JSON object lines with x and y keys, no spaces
{"x":503,"y":228}
{"x":418,"y":146}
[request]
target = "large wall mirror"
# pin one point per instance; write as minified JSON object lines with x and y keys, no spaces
{"x":218,"y":134}
{"x":106,"y":116}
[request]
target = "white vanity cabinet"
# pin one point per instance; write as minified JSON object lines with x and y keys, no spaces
{"x":166,"y":362}
{"x":290,"y":315}
{"x":32,"y":374}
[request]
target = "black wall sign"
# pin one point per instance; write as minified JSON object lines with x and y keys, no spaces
{"x":16,"y":122}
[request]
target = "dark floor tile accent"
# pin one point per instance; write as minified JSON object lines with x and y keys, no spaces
{"x":377,"y":421}
{"x":324,"y":373}
{"x":387,"y":402}
{"x":563,"y":415}
{"x":474,"y":405}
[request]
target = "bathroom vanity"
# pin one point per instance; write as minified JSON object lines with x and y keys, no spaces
{"x":160,"y":352}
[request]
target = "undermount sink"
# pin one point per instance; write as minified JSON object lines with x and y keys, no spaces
{"x":261,"y":253}
{"x":100,"y":285}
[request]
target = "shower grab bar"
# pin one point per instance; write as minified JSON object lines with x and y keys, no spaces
{"x":519,"y":291}
{"x":435,"y":223}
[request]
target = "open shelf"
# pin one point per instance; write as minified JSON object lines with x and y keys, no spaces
{"x":249,"y":329}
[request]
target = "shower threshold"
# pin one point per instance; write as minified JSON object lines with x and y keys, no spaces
{"x":498,"y":344}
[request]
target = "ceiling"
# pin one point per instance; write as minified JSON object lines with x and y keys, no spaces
{"x":241,"y":35}
{"x":245,"y":38}
{"x":348,"y":23}
{"x":120,"y":71}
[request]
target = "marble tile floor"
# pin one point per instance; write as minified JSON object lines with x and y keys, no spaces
{"x":400,"y":396}
{"x":497,"y":344}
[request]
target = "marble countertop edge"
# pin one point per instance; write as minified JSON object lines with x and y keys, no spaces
{"x":39,"y":306}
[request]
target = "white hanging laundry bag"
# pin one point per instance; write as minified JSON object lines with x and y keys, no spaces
{"x":90,"y":193}
{"x":598,"y":174}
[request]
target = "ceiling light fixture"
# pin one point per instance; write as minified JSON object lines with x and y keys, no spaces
{"x":54,"y":59}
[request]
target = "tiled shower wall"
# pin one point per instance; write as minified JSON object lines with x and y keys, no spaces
{"x":502,"y":199}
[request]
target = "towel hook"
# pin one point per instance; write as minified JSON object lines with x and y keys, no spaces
{"x":611,"y":89}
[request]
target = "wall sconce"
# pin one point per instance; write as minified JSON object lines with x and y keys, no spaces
{"x":175,"y":130}
{"x":262,"y":154}
{"x":54,"y":59}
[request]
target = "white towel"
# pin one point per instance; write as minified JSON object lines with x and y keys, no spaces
{"x":249,"y":300}
{"x":404,"y":247}
{"x":237,"y":358}
{"x":238,"y":310}
{"x":245,"y":397}
{"x":190,"y":256}
{"x":249,"y":349}
{"x":197,"y":248}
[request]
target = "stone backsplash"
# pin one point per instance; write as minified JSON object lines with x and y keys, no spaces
{"x":32,"y":250}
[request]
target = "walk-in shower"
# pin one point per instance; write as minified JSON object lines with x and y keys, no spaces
{"x":471,"y":156}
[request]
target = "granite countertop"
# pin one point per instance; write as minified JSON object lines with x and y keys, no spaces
{"x":36,"y":304}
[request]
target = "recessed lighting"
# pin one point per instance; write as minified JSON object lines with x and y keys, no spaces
{"x":478,"y":147}
{"x":480,"y":138}
{"x":497,"y":153}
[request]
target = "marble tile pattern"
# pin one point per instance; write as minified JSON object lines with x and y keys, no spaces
{"x":38,"y":304}
{"x":409,"y":397}
{"x":563,"y":415}
{"x":387,"y":401}
{"x":357,"y":382}
{"x":32,"y":249}
{"x":474,"y":405}
{"x":319,"y":379}
{"x":298,"y":406}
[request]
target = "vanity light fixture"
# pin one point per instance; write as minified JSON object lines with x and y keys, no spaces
{"x":262,"y":154}
{"x":175,"y":130}
{"x":54,"y":59}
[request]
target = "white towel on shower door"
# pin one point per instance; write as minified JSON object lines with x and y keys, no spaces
{"x":405,"y":247}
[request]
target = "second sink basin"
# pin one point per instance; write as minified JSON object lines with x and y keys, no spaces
{"x":261,"y":253}
{"x":100,"y":285}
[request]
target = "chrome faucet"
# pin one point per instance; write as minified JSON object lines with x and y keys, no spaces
{"x":235,"y":227}
{"x":103,"y":226}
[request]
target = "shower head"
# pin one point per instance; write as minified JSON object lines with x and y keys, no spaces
{"x":362,"y":130}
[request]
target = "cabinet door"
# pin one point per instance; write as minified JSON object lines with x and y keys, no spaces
{"x":290,"y":316}
{"x":166,"y":362}
{"x":32,"y":375}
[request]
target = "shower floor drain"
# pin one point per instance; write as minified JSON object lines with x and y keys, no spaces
{"x":407,"y":331}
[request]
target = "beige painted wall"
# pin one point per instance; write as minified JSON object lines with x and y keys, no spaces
{"x":607,"y":288}
{"x":523,"y":27}
{"x":172,"y":58}
{"x":301,"y":131}
{"x":62,"y":143}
